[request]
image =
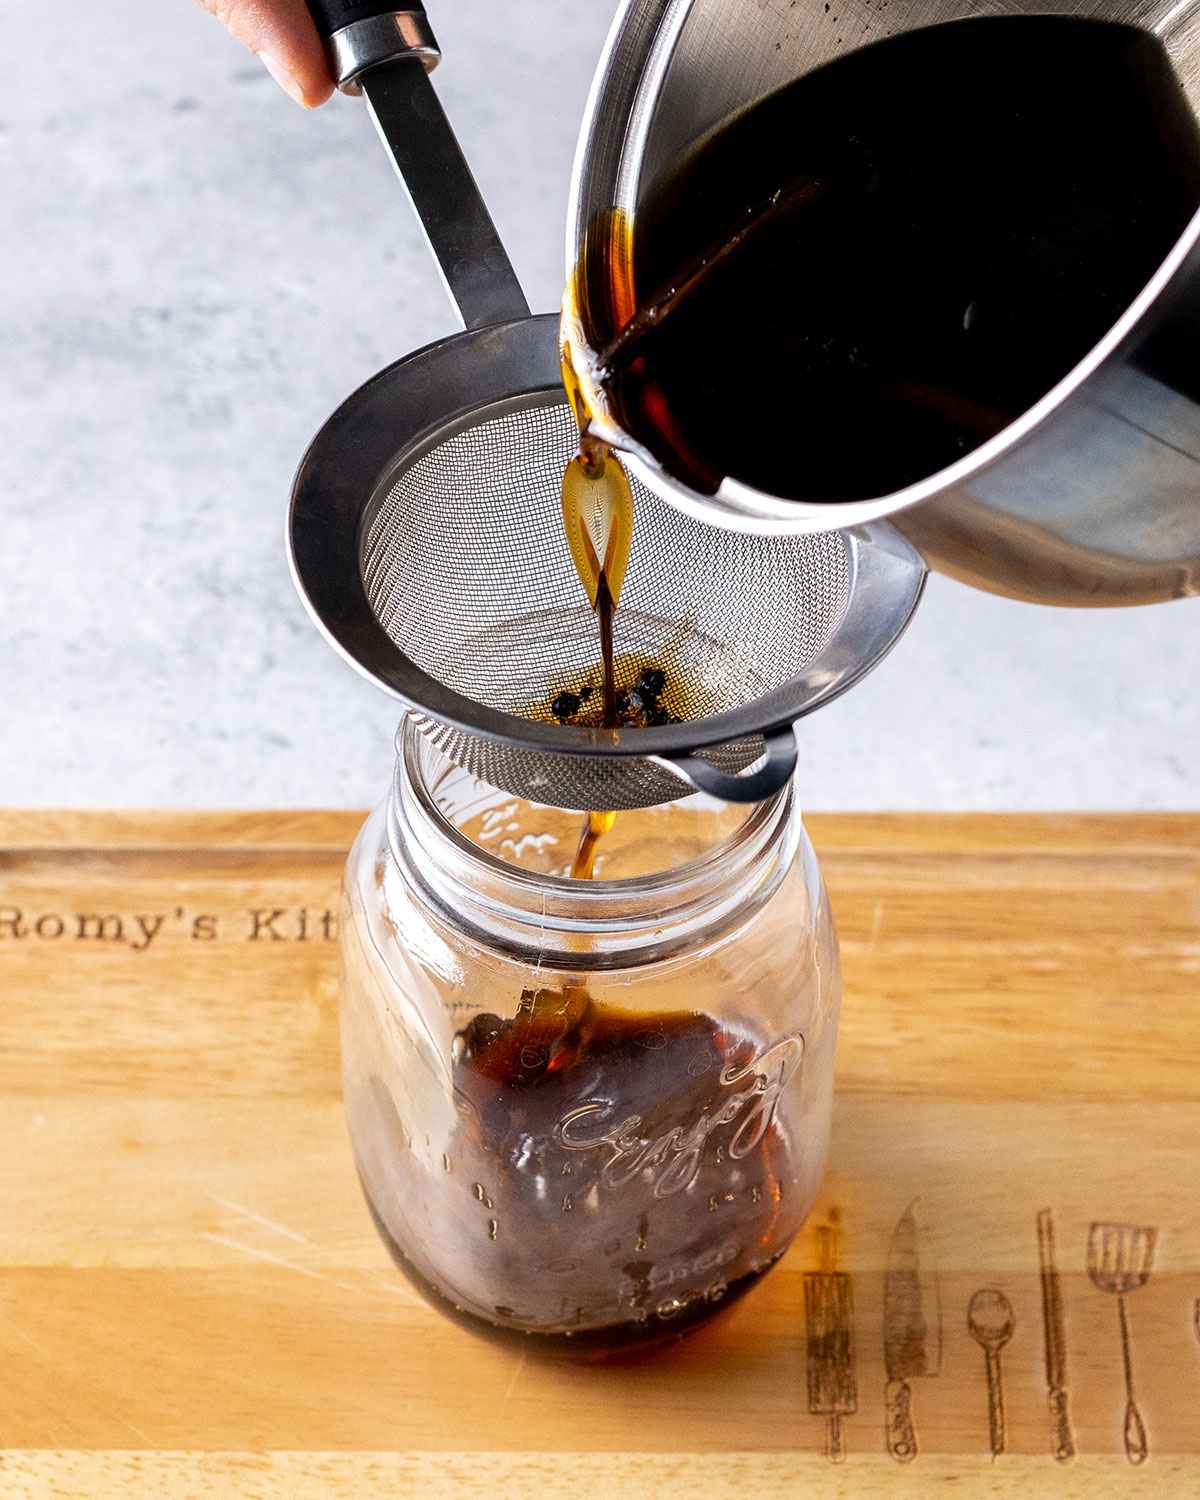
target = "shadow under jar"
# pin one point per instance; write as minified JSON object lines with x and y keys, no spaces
{"x":587,"y":1115}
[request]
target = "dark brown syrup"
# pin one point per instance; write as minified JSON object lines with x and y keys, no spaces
{"x":879,"y":267}
{"x":614,"y":1178}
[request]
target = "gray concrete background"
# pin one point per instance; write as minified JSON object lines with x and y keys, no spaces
{"x":195,"y":273}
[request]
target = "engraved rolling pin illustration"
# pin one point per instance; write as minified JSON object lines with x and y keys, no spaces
{"x":829,"y":1322}
{"x":912,"y":1330}
{"x":990,"y":1321}
{"x":1120,"y":1258}
{"x":1062,"y":1441}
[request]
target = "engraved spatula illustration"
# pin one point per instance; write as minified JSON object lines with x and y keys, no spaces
{"x":1120,"y":1258}
{"x":990,"y":1321}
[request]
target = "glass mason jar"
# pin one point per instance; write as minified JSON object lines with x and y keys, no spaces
{"x":586,"y":1114}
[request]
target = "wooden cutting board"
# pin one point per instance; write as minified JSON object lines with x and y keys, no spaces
{"x":193,"y":1301}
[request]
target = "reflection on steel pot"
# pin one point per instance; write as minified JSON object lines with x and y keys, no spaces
{"x":1091,"y":496}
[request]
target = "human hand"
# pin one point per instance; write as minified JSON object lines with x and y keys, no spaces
{"x":282,"y":34}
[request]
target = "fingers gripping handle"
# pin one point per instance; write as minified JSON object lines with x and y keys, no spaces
{"x":362,"y":34}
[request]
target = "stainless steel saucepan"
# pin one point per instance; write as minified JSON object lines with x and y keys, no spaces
{"x":1092,"y":497}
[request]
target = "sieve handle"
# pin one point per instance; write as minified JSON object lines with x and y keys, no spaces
{"x":333,"y":15}
{"x":372,"y":50}
{"x":757,"y":786}
{"x":362,"y":34}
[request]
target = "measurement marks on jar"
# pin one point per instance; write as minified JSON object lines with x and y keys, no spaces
{"x":1119,"y":1260}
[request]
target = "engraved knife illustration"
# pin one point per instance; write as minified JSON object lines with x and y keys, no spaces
{"x":1062,"y":1441}
{"x":912,"y":1331}
{"x":829,"y":1324}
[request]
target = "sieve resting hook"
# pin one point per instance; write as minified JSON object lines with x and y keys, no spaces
{"x":745,"y":786}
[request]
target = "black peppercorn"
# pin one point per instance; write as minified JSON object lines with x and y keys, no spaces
{"x":651,"y":682}
{"x":565,"y":706}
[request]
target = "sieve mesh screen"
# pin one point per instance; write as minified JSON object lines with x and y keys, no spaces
{"x":466,"y":567}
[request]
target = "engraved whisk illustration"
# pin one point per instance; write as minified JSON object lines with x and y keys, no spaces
{"x":1119,"y":1260}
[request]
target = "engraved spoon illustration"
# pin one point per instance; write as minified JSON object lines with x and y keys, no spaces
{"x":1120,"y":1257}
{"x":990,"y":1322}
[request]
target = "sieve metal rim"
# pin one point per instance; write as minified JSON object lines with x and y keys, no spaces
{"x":414,"y":403}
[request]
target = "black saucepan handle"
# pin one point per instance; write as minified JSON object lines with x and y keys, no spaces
{"x":363,"y":34}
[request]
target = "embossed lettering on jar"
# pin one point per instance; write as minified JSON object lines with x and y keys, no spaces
{"x":587,"y":1115}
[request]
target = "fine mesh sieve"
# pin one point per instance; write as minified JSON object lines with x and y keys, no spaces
{"x":466,"y":567}
{"x":426,"y":538}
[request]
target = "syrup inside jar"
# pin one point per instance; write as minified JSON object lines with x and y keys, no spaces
{"x":584,"y":1160}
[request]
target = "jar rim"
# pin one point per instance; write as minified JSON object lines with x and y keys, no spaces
{"x":555,"y":922}
{"x":410,"y":743}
